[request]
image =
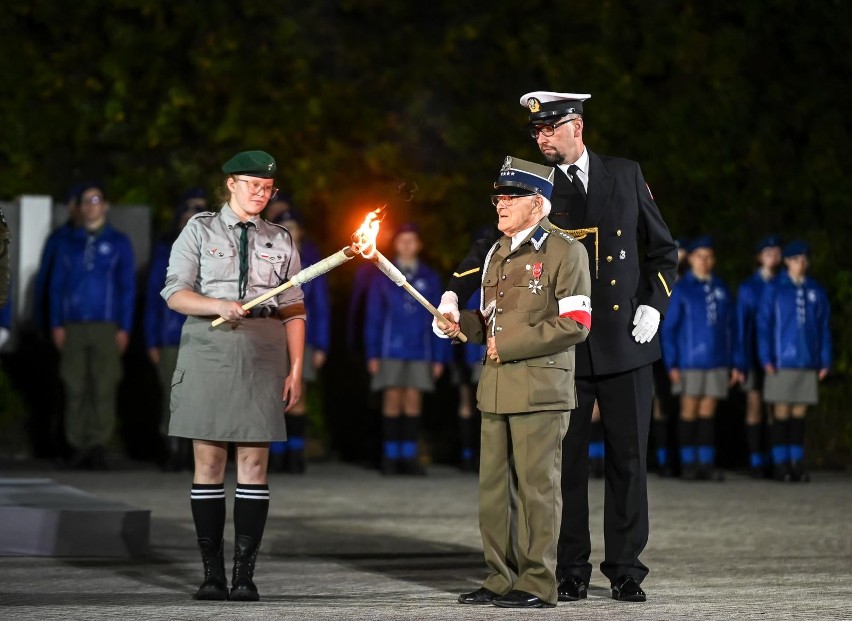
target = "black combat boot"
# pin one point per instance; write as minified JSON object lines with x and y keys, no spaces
{"x":215,"y":585}
{"x":242,"y":585}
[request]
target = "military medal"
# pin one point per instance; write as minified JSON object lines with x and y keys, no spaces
{"x":534,"y":285}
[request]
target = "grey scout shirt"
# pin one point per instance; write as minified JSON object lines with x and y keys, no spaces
{"x":205,"y":259}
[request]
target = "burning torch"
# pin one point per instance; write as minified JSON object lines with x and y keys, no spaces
{"x":363,"y":241}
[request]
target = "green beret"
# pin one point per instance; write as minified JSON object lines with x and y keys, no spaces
{"x":251,"y":163}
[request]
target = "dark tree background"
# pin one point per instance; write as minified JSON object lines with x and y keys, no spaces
{"x":737,"y":111}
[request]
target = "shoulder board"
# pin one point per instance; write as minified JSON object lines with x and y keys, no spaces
{"x":203,"y":214}
{"x":555,"y":230}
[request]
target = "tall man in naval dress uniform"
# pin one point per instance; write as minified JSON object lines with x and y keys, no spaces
{"x":604,"y":202}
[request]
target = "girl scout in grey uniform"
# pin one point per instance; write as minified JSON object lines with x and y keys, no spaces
{"x":230,"y":380}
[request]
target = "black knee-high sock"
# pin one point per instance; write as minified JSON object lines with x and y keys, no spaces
{"x":208,"y":510}
{"x":466,"y":437}
{"x":296,"y":427}
{"x":661,"y":439}
{"x":779,"y":436}
{"x":753,"y":435}
{"x":251,"y":505}
{"x":391,"y":432}
{"x":410,"y":434}
{"x":796,"y":439}
{"x":686,"y":438}
{"x":705,"y":438}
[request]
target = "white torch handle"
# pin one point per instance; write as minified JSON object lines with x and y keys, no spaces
{"x":309,"y":273}
{"x":398,"y":278}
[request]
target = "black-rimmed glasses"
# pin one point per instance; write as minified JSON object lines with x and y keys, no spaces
{"x":547,"y":129}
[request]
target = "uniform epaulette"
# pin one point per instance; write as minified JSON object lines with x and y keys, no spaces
{"x":203,"y":214}
{"x":555,"y":230}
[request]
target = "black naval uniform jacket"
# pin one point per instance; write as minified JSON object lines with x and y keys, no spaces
{"x":634,"y":263}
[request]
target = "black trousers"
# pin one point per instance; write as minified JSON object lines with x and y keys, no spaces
{"x":625,"y":404}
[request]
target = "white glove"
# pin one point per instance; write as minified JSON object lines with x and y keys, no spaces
{"x":4,"y":336}
{"x":449,"y":304}
{"x":646,"y":320}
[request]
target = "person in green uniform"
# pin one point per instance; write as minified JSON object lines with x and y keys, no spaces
{"x":229,"y":381}
{"x":534,"y":309}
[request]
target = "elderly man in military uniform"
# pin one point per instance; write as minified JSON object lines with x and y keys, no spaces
{"x":604,"y":202}
{"x":534,"y":309}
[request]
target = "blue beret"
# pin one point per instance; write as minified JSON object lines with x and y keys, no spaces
{"x":290,"y":214}
{"x":519,"y":176}
{"x":705,"y":241}
{"x":795,"y":248}
{"x":770,"y":241}
{"x":251,"y":163}
{"x":407,"y":227}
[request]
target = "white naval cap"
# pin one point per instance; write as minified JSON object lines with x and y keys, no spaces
{"x":546,"y":104}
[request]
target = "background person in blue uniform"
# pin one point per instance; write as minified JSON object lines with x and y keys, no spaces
{"x":289,"y":456}
{"x":746,"y":360}
{"x":163,"y":325}
{"x":605,"y":203}
{"x":794,"y":344}
{"x":92,"y":293}
{"x":404,"y":357}
{"x":698,"y":335}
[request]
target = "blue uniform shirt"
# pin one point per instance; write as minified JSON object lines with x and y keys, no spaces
{"x":317,"y":304}
{"x":748,"y":300}
{"x":397,"y":326}
{"x":698,"y":327}
{"x":793,"y":325}
{"x":41,"y":309}
{"x":162,"y":324}
{"x":94,"y":279}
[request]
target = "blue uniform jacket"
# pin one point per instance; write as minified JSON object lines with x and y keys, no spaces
{"x":162,"y":324}
{"x":317,"y":304}
{"x":397,"y":326}
{"x":793,"y":325}
{"x":94,"y":279}
{"x":699,"y":325}
{"x":748,"y":300}
{"x":41,"y":309}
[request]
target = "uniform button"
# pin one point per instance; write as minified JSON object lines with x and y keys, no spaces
{"x":609,"y":259}
{"x":500,"y":294}
{"x":499,"y":310}
{"x":618,"y":232}
{"x":615,"y":307}
{"x":612,"y":282}
{"x":507,"y":260}
{"x":503,"y":277}
{"x":551,"y":362}
{"x":499,"y":328}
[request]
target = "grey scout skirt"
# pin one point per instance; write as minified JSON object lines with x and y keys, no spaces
{"x":228,"y":381}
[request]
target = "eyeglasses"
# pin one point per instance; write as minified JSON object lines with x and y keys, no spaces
{"x":508,"y":199}
{"x":256,"y":187}
{"x":547,"y":129}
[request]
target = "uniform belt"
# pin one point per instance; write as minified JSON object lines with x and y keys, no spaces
{"x":262,"y":312}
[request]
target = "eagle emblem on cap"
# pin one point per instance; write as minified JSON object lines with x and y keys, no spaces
{"x":507,"y":163}
{"x":533,"y":104}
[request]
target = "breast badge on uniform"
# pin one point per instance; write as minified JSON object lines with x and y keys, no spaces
{"x":534,"y":286}
{"x":622,"y":255}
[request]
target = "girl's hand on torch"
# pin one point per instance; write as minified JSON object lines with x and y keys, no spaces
{"x":373,"y":366}
{"x":230,"y":311}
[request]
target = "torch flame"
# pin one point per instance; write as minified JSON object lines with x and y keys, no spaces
{"x":364,"y":239}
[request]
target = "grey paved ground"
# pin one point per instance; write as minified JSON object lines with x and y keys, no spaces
{"x":344,"y":543}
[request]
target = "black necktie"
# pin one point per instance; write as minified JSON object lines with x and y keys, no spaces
{"x":575,"y":180}
{"x":244,"y":268}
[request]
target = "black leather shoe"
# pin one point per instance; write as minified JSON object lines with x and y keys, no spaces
{"x":798,"y":473}
{"x":781,"y":472}
{"x":243,"y":588}
{"x":520,"y":599}
{"x":571,"y":589}
{"x":215,"y":585}
{"x":479,"y":596}
{"x":627,"y":589}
